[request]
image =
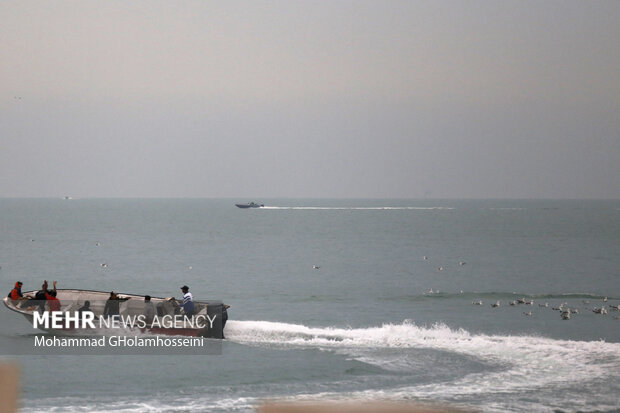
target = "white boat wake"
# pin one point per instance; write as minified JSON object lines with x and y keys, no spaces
{"x":522,"y":363}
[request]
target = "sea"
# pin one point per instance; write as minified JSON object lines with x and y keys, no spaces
{"x":334,"y":300}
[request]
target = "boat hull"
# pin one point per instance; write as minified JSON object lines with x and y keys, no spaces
{"x":207,"y":322}
{"x":250,"y":205}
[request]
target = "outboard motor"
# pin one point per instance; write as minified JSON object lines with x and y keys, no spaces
{"x":216,"y":329}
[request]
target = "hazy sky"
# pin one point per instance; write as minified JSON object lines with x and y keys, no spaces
{"x":259,"y":99}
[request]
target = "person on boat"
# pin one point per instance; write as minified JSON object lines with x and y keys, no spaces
{"x":149,"y":309}
{"x":112,"y":305}
{"x":84,"y":308}
{"x":40,"y":297}
{"x":16,"y":292}
{"x":16,"y":295}
{"x":50,"y":297}
{"x":188,"y":301}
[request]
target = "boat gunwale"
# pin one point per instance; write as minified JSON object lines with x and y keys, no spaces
{"x":12,"y":307}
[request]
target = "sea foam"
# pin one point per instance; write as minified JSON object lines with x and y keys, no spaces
{"x":525,"y":361}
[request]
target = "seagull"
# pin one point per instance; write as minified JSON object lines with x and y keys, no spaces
{"x":565,"y":315}
{"x":529,"y":313}
{"x":605,"y":299}
{"x":614,"y":307}
{"x":440,"y":268}
{"x":479,"y":302}
{"x":600,"y":310}
{"x":495,"y":305}
{"x":104,"y":265}
{"x":513,"y":303}
{"x":425,"y":258}
{"x":462,"y":263}
{"x":316,"y":267}
{"x":560,"y":308}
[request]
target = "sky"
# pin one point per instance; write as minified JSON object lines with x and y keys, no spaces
{"x":310,"y":99}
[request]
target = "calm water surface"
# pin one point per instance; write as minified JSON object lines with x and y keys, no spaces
{"x":388,"y":315}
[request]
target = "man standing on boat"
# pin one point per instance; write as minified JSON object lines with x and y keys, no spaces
{"x":188,"y":301}
{"x":112,"y":306}
{"x":149,"y":309}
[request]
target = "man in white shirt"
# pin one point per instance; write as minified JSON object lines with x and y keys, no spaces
{"x":188,"y":301}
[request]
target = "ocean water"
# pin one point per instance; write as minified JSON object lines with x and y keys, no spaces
{"x":389,"y":315}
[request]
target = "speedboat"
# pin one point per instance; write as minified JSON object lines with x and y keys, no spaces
{"x":165,"y":318}
{"x":250,"y":205}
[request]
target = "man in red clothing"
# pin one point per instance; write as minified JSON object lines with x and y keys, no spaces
{"x":16,"y":293}
{"x":53,"y":302}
